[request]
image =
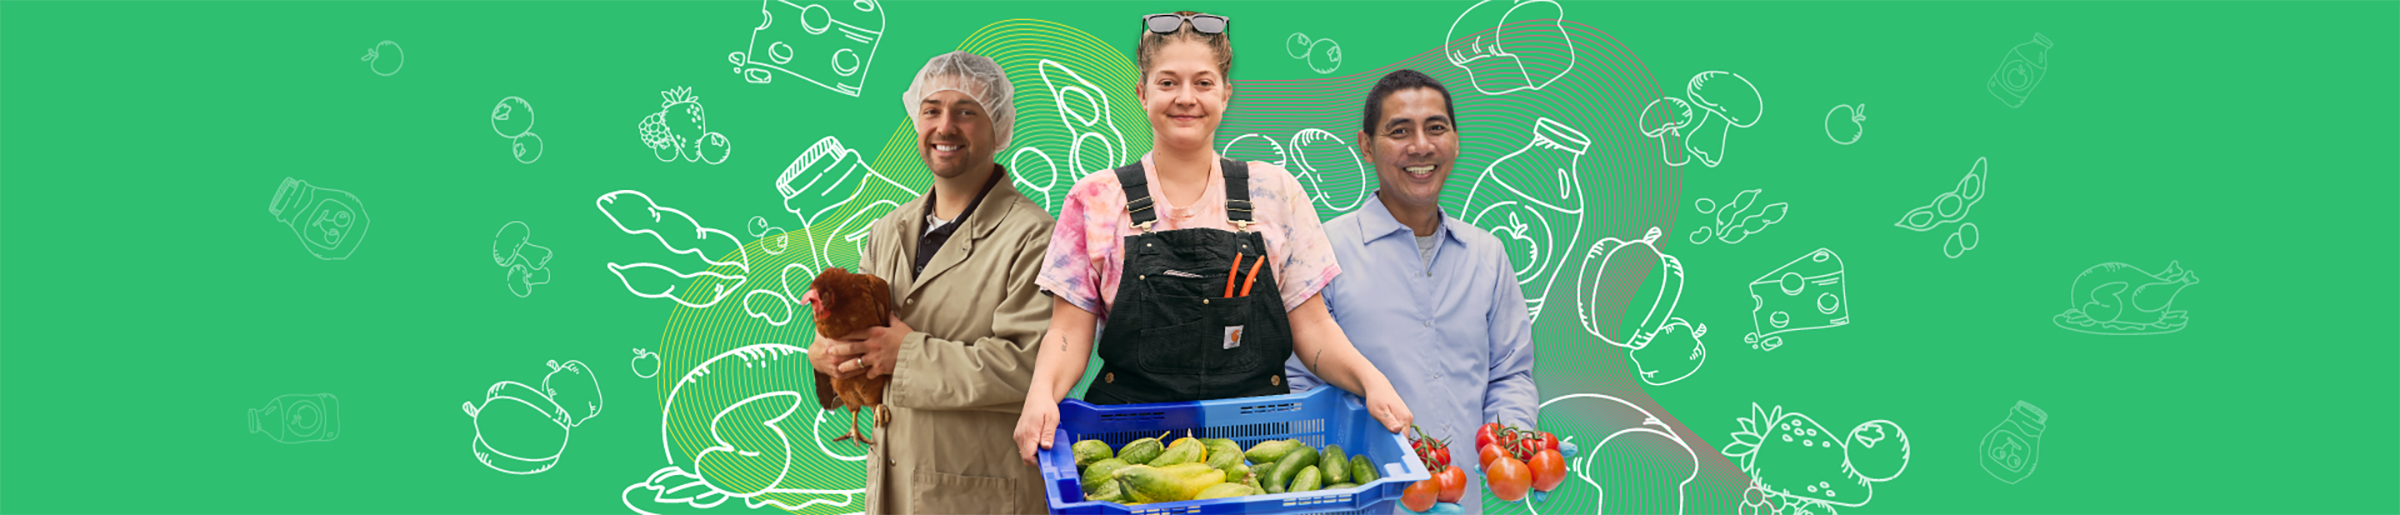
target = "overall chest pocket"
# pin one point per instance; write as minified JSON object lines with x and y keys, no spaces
{"x":1206,"y":337}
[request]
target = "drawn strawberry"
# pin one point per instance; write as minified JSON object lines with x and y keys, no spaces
{"x":1810,"y":466}
{"x":680,"y":129}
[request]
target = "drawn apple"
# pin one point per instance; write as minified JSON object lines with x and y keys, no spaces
{"x":1846,"y":124}
{"x":645,"y":363}
{"x":512,"y":117}
{"x":526,"y":148}
{"x":385,"y":59}
{"x":1324,"y":56}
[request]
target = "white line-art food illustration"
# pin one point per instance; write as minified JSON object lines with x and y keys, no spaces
{"x":1323,"y":55}
{"x":527,"y":263}
{"x":1809,"y":293}
{"x":680,"y":129}
{"x":1624,"y":430}
{"x":1614,"y":287}
{"x":1845,"y":124}
{"x":759,"y":228}
{"x":331,"y":223}
{"x":728,"y":462}
{"x":1095,"y":144}
{"x":2010,"y":451}
{"x":1952,"y":207}
{"x":1714,"y":103}
{"x":513,"y":119}
{"x":299,"y":418}
{"x":1329,"y":169}
{"x":831,"y":47}
{"x":523,"y":429}
{"x":635,"y":213}
{"x":830,"y":181}
{"x":646,"y":363}
{"x":1793,"y":457}
{"x":2020,"y":71}
{"x":2119,"y":299}
{"x":1532,"y":199}
{"x":1735,"y":219}
{"x":1508,"y":46}
{"x":385,"y":58}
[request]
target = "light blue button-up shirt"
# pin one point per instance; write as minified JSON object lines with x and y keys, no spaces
{"x":1454,"y":336}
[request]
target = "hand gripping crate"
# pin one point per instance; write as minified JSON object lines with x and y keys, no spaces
{"x":1325,"y":415}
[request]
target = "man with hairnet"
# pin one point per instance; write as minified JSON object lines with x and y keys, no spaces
{"x":967,"y":319}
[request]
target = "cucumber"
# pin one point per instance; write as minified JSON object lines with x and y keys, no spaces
{"x":1341,"y":486}
{"x":1337,"y":465}
{"x":1271,"y":451}
{"x":1089,"y":451}
{"x":1099,"y":473}
{"x":1223,"y":490}
{"x":1362,"y":470}
{"x":1281,"y":480}
{"x":1140,"y":452}
{"x":1309,"y":480}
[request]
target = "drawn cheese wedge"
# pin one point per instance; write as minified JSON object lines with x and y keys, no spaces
{"x":1808,"y":293}
{"x":830,"y":44}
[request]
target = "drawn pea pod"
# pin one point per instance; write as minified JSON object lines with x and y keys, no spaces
{"x":1950,"y":206}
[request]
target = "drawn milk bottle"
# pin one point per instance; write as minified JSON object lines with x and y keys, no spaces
{"x":2021,"y":70}
{"x":2011,"y":450}
{"x":330,"y":222}
{"x":1531,"y":199}
{"x":299,"y":418}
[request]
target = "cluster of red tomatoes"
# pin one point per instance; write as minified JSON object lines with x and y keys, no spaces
{"x":1514,"y":462}
{"x":1448,"y":483}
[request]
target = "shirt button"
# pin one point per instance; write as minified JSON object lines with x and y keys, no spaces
{"x":1275,"y":380}
{"x":1429,"y":323}
{"x":1112,"y":378}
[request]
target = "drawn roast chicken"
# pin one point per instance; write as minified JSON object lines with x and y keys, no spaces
{"x":846,"y":303}
{"x":2121,"y":299}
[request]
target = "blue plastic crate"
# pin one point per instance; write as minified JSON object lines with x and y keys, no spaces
{"x":1317,"y":417}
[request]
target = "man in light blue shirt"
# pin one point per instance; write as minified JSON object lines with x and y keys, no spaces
{"x":1430,"y":299}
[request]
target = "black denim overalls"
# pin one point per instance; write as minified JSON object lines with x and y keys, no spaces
{"x":1174,"y":334}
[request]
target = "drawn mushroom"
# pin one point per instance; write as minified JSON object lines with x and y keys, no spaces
{"x":1668,"y":116}
{"x":1731,"y":101}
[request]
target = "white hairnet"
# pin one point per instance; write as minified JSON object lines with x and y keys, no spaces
{"x":975,"y":76}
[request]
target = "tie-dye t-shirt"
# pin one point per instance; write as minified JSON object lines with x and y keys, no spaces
{"x":1086,"y":252}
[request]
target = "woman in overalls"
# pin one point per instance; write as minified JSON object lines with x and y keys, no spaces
{"x":1206,"y":270}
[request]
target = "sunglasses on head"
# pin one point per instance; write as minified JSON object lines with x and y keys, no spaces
{"x":1168,"y":23}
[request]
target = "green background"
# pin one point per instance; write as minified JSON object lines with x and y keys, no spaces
{"x":146,"y":300}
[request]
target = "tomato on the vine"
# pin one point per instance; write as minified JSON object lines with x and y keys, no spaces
{"x":1441,"y":456}
{"x":1509,"y":478}
{"x":1549,"y":469}
{"x":1485,"y":455}
{"x":1548,"y":441}
{"x":1490,"y":433}
{"x":1454,"y":484}
{"x":1525,"y":448}
{"x":1419,"y":496}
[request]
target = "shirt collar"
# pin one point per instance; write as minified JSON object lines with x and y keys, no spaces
{"x":1376,"y":221}
{"x":963,"y":216}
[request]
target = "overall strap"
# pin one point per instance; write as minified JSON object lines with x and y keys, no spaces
{"x":1237,"y":192}
{"x":1144,"y":209}
{"x":1137,"y":195}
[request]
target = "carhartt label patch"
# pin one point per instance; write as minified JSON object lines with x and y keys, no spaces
{"x":1233,"y":336}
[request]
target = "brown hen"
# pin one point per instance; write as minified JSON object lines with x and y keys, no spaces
{"x":846,"y":303}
